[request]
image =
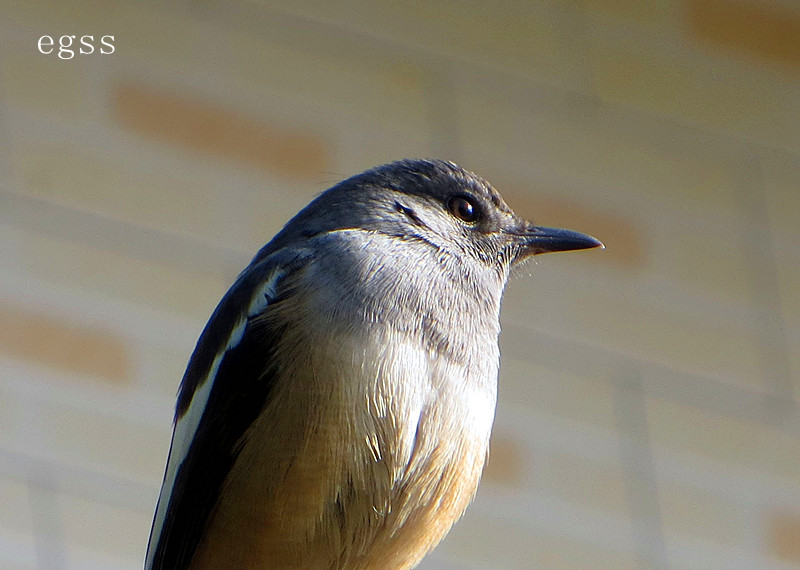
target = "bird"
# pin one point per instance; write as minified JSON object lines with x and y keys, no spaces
{"x":337,"y":408}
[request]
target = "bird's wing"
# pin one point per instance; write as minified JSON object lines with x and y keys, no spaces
{"x":226,"y":385}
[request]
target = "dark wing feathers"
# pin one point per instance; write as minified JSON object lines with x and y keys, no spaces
{"x":241,"y":387}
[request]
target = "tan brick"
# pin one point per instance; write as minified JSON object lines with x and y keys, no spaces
{"x":560,"y":552}
{"x":757,"y":447}
{"x":483,"y":542}
{"x":694,"y":89}
{"x":98,"y":270}
{"x":15,"y":511}
{"x":793,"y":349}
{"x":40,"y":83}
{"x":343,"y":87}
{"x":163,"y":367}
{"x":104,"y":528}
{"x":524,"y":37}
{"x":70,"y":347}
{"x":767,"y":30}
{"x":693,"y":513}
{"x":583,"y":400}
{"x":100,"y":441}
{"x":336,"y":91}
{"x":11,"y":420}
{"x":785,"y":248}
{"x":19,"y":565}
{"x":783,"y":535}
{"x":582,"y":481}
{"x":677,"y":335}
{"x":16,"y":526}
{"x":781,"y":174}
{"x":658,"y":15}
{"x":506,"y":463}
{"x":707,"y":259}
{"x":531,"y":154}
{"x":296,"y":79}
{"x":209,"y":128}
{"x":625,"y":243}
{"x":54,"y":17}
{"x":186,"y":204}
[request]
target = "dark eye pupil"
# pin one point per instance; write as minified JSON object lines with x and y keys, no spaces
{"x":463,"y":209}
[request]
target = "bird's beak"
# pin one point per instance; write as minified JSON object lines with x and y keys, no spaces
{"x":535,"y":240}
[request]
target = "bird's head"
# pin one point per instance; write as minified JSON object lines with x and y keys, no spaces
{"x":437,"y":203}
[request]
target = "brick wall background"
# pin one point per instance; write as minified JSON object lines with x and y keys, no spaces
{"x":648,"y":413}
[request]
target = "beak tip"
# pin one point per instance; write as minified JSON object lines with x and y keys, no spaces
{"x":589,"y":243}
{"x":546,"y":240}
{"x":596,"y":243}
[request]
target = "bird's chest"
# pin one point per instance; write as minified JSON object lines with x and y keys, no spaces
{"x":402,"y":396}
{"x":411,"y":428}
{"x":371,"y":447}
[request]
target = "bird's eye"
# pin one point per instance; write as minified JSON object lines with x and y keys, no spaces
{"x":464,"y":208}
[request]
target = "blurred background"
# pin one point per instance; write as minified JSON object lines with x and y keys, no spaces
{"x":648,"y":413}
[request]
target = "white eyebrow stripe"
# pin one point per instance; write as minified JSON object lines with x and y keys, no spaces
{"x":187,"y":424}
